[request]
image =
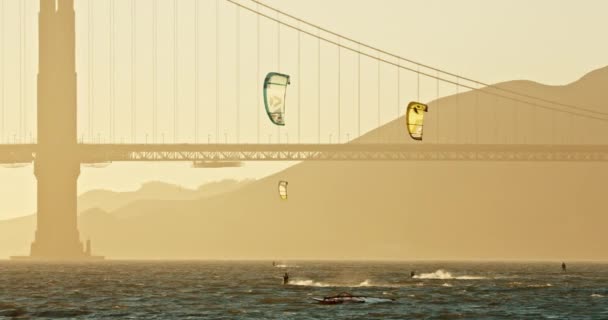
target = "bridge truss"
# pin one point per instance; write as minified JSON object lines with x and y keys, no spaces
{"x":103,"y":153}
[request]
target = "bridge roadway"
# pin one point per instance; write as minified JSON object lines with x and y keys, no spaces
{"x":99,"y":153}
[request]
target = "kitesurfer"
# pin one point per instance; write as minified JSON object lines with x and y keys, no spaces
{"x":286,"y":278}
{"x":563,"y":266}
{"x":412,"y":274}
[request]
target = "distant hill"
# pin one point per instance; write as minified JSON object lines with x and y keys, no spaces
{"x":17,"y":234}
{"x":158,"y":191}
{"x":392,"y":210}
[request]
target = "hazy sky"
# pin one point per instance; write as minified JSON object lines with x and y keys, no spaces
{"x":553,"y":42}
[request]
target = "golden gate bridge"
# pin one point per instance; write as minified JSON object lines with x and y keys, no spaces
{"x":170,"y":80}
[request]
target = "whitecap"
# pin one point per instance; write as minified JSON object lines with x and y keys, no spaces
{"x":546,"y":285}
{"x":469,"y":278}
{"x":365,"y":283}
{"x":312,"y":283}
{"x":445,"y":275}
{"x":308,"y":283}
{"x":377,"y":300}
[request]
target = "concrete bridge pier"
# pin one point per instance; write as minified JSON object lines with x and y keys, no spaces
{"x":57,"y":234}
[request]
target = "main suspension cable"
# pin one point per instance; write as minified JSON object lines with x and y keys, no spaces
{"x":479,"y":83}
{"x":427,"y":74}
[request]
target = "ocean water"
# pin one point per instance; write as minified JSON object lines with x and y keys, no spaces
{"x":254,"y":290}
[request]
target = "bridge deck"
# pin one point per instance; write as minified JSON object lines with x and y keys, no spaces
{"x":97,"y":153}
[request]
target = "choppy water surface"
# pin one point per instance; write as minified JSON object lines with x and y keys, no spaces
{"x":253,"y":290}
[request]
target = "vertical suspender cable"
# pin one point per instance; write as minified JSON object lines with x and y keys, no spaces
{"x":319,"y":83}
{"x":279,"y":63}
{"x":238,"y":74}
{"x":91,"y":73}
{"x":378,"y":102}
{"x":359,"y":92}
{"x":175,"y":76}
{"x":114,"y":70}
{"x":418,"y":83}
{"x":24,"y":77}
{"x":495,"y":109}
{"x":570,"y":130}
{"x":437,"y":108}
{"x":259,"y":88}
{"x":25,"y":71}
{"x":553,"y":115}
{"x":278,"y":42}
{"x":457,"y":110}
{"x":196,"y":71}
{"x":299,"y":85}
{"x":526,"y":132}
{"x":217,"y":71}
{"x":154,"y":68}
{"x":339,"y":91}
{"x":529,"y":126}
{"x":20,"y":132}
{"x":133,"y":78}
{"x":398,"y":99}
{"x":112,"y":73}
{"x":2,"y":71}
{"x":477,"y":116}
{"x":515,"y":120}
{"x":581,"y":124}
{"x":91,"y":70}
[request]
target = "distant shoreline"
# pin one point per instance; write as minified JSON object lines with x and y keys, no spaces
{"x":521,"y":261}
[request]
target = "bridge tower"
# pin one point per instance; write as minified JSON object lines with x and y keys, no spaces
{"x":57,"y":165}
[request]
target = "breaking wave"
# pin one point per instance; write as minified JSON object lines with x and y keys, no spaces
{"x":312,"y":283}
{"x":444,"y":275}
{"x":285,"y":266}
{"x":365,"y":283}
{"x":308,"y":283}
{"x":377,"y":300}
{"x":596,"y":295}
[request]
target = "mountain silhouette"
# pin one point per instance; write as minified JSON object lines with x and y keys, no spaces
{"x":94,"y":207}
